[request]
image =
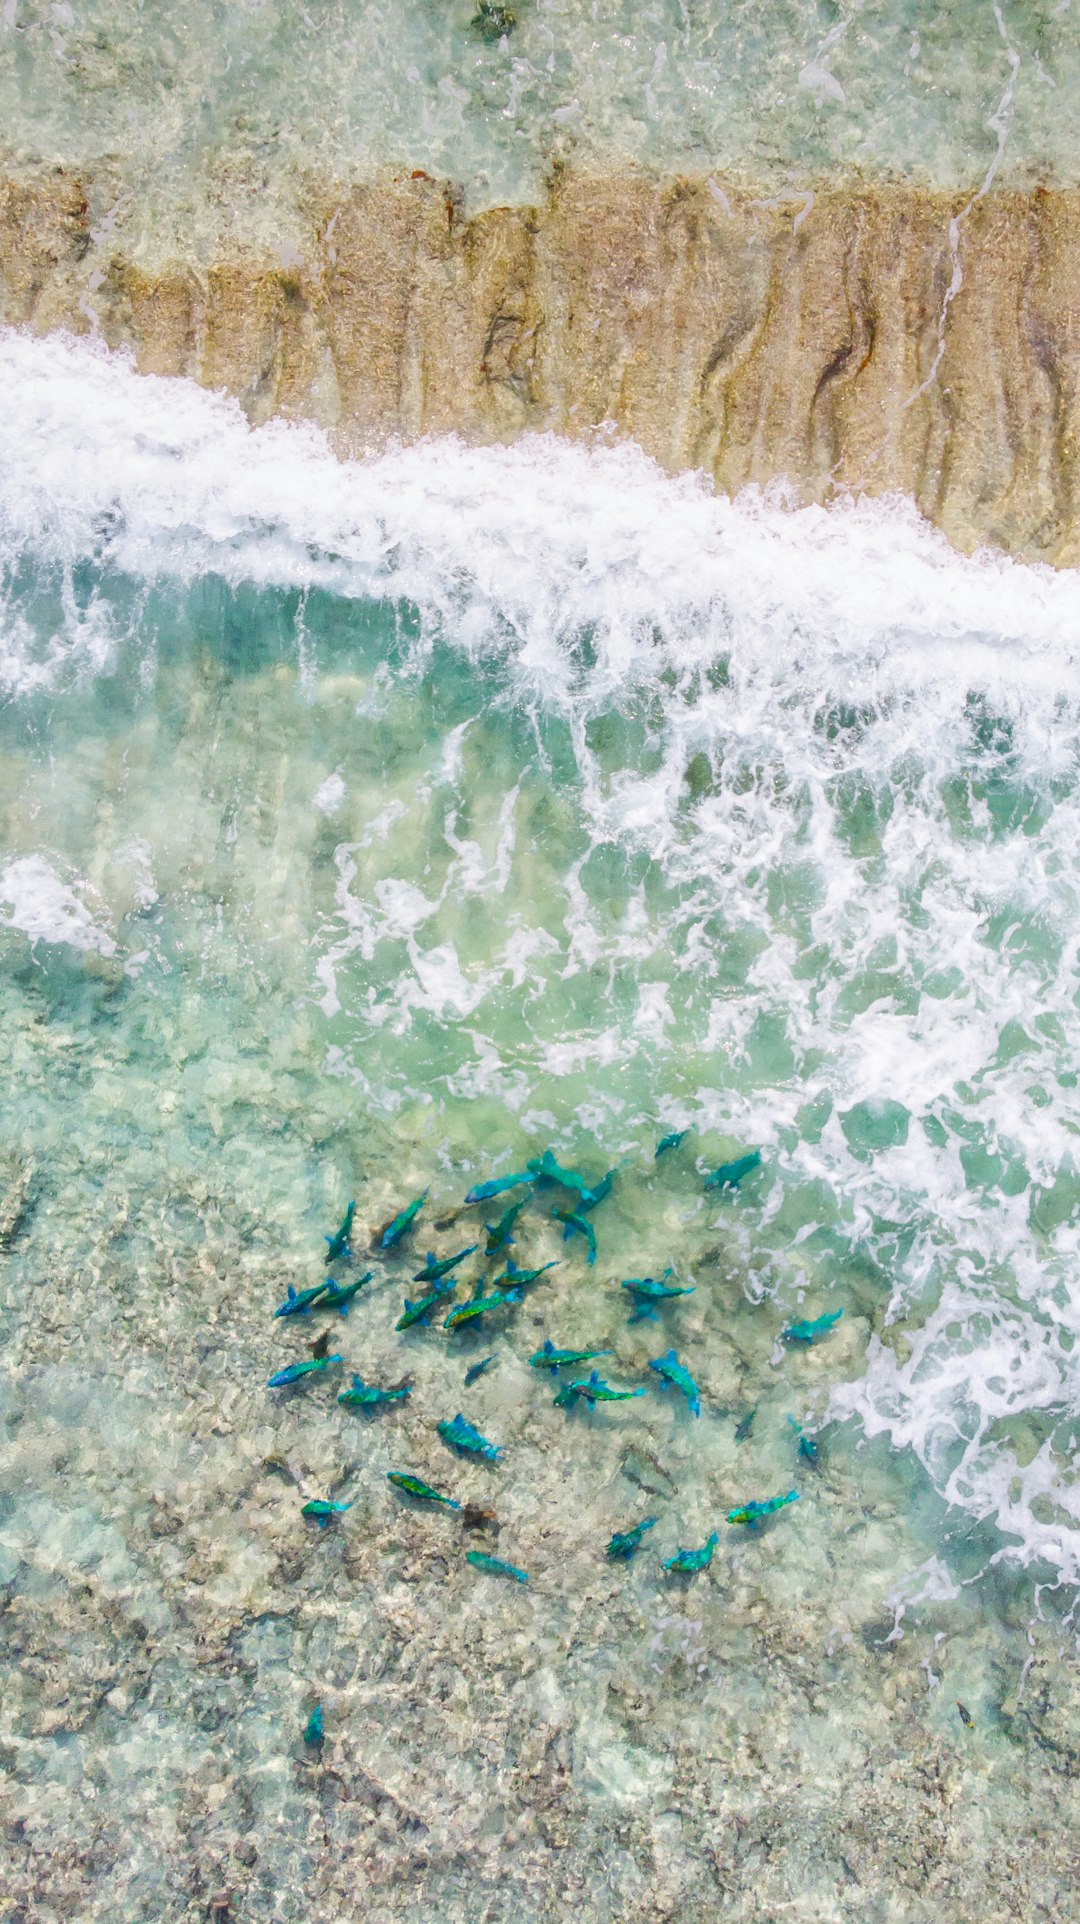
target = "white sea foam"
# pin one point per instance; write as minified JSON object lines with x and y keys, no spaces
{"x":856,"y":699}
{"x":46,"y":909}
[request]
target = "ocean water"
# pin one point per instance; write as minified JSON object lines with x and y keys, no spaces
{"x":204,"y":126}
{"x":367,"y":829}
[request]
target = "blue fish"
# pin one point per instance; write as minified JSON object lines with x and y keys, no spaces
{"x":477,"y":1369}
{"x":550,"y":1358}
{"x":401,"y":1225}
{"x":295,"y":1372}
{"x":463,"y":1436}
{"x":582,"y":1226}
{"x":688,"y":1561}
{"x":810,"y":1332}
{"x":313,"y":1729}
{"x":338,"y":1244}
{"x":495,"y":1566}
{"x":434,"y":1269}
{"x":809,"y":1448}
{"x":625,"y":1542}
{"x":323,"y":1510}
{"x":300,"y":1305}
{"x":340,"y":1295}
{"x":730,"y":1174}
{"x":367,"y":1395}
{"x":670,"y":1142}
{"x":419,"y":1312}
{"x":648,"y":1292}
{"x":673,"y":1372}
{"x":485,"y":1191}
{"x":591,"y":1198}
{"x":753,"y":1513}
{"x":498,"y":1234}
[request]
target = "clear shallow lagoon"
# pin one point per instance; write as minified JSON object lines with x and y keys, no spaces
{"x":373,"y":827}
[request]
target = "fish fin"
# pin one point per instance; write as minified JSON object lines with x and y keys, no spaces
{"x":513,"y":1296}
{"x":670,"y":1357}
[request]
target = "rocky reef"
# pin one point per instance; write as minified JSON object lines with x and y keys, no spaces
{"x":840,"y":341}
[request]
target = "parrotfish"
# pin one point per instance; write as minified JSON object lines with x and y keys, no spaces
{"x":402,"y":1224}
{"x":340,"y":1295}
{"x":367,"y":1395}
{"x":545,"y":1170}
{"x":295,"y":1371}
{"x":670,"y":1142}
{"x":743,"y":1429}
{"x":461,"y":1435}
{"x":550,"y":1358}
{"x":313,"y":1729}
{"x":477,"y":1369}
{"x":498,"y":1234}
{"x":433,"y":1268}
{"x":810,"y":1332}
{"x":521,"y":1278}
{"x":412,"y":1486}
{"x":965,"y":1714}
{"x":752,"y":1513}
{"x":649,"y":1292}
{"x":338,"y":1244}
{"x":495,"y":1566}
{"x":595,"y":1390}
{"x":484,"y":1191}
{"x":809,"y":1448}
{"x":479,"y":1306}
{"x":300,"y":1304}
{"x":324,"y":1510}
{"x":625,"y":1542}
{"x":582,"y":1226}
{"x":691,"y":1560}
{"x":730,"y":1174}
{"x":591,"y":1198}
{"x":420,"y":1311}
{"x":673,"y":1372}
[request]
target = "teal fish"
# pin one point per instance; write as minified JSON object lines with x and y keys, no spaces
{"x":648,"y":1292}
{"x":367,"y":1395}
{"x":479,"y":1306}
{"x":485,"y":1191}
{"x":810,"y":1332}
{"x":673,"y":1372}
{"x":743,"y":1429}
{"x":670,"y":1142}
{"x":730,"y":1174}
{"x":461,"y":1435}
{"x":420,"y":1311}
{"x":338,"y":1244}
{"x":595,"y":1390}
{"x":300,"y":1305}
{"x":809,"y":1448}
{"x":498,"y":1234}
{"x":340,"y":1295}
{"x":433,"y":1269}
{"x":582,"y":1226}
{"x":522,"y":1278}
{"x":591,"y":1198}
{"x":625,"y":1542}
{"x":402,"y":1224}
{"x":687,"y":1561}
{"x":412,"y":1486}
{"x":313,"y":1729}
{"x":550,"y":1358}
{"x":495,"y":1566}
{"x":323,"y":1510}
{"x":294,"y":1372}
{"x":477,"y":1369}
{"x":752,"y":1513}
{"x":544,"y":1171}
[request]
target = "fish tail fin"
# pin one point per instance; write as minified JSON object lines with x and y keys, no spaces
{"x":513,"y":1296}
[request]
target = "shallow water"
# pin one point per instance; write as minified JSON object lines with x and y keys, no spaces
{"x":369,"y":828}
{"x":202,"y":123}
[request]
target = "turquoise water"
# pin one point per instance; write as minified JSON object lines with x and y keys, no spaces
{"x":369,"y":829}
{"x":202,"y":124}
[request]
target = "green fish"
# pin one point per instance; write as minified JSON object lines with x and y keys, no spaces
{"x":433,"y":1268}
{"x":323,"y":1510}
{"x":809,"y":1333}
{"x":582,"y":1226}
{"x":521,"y":1278}
{"x":594,"y":1390}
{"x":337,"y":1245}
{"x":690,"y":1560}
{"x":420,"y":1311}
{"x":550,"y":1358}
{"x":495,"y":1566}
{"x":294,"y":1372}
{"x":464,"y":1436}
{"x":412,"y":1486}
{"x":340,"y":1295}
{"x":752,"y":1513}
{"x":730,"y":1174}
{"x":625,"y":1542}
{"x":670,"y":1142}
{"x":498,"y":1234}
{"x":313,"y":1729}
{"x":367,"y":1395}
{"x":402,"y":1224}
{"x":479,"y":1306}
